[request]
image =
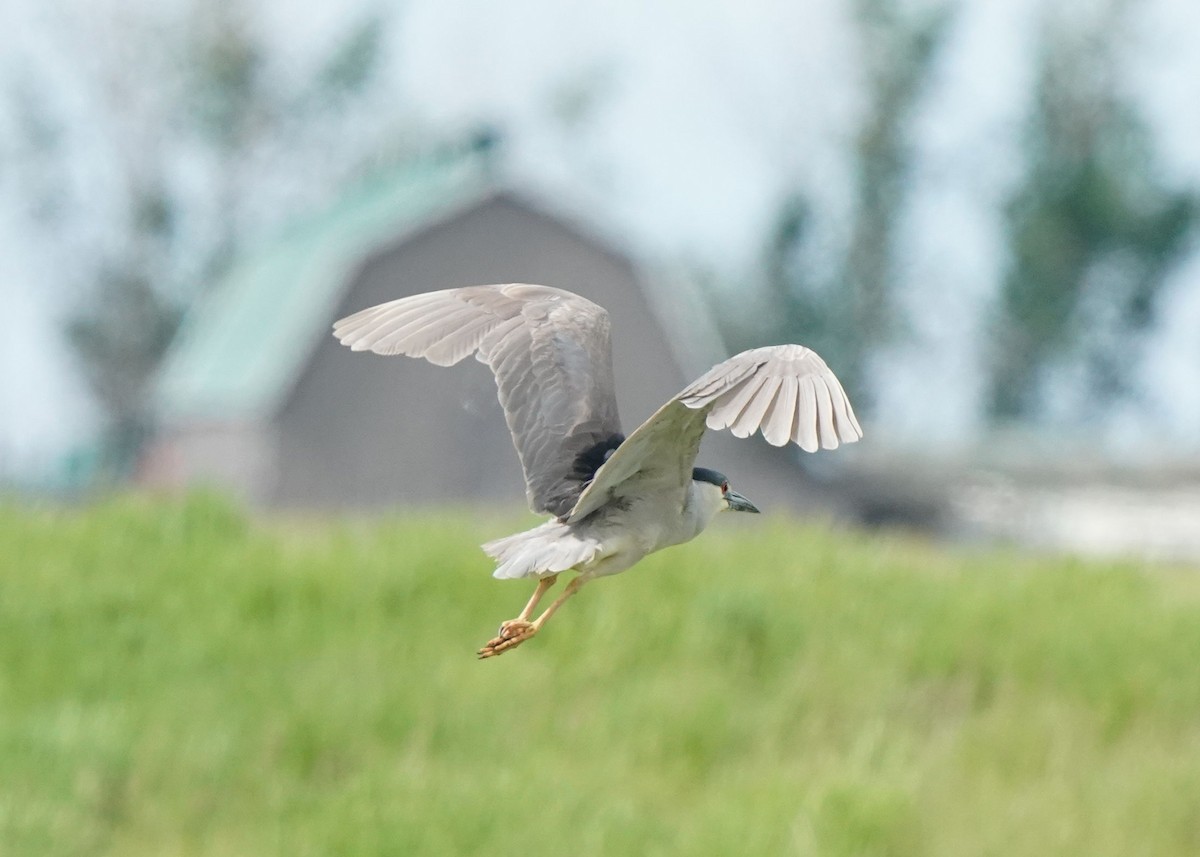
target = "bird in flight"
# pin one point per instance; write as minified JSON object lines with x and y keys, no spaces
{"x":613,"y":499}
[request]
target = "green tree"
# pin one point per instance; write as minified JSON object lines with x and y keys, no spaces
{"x":203,"y":94}
{"x":1093,"y":231}
{"x":847,"y":309}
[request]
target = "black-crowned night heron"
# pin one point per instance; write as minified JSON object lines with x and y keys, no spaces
{"x":614,"y":499}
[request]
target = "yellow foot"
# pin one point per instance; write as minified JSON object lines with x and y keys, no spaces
{"x":512,"y":634}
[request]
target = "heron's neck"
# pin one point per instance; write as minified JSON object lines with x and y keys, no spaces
{"x":703,"y":502}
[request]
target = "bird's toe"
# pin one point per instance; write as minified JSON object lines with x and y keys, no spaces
{"x":515,"y":628}
{"x":510,"y":635}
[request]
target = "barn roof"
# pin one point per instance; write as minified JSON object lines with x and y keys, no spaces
{"x":240,"y":348}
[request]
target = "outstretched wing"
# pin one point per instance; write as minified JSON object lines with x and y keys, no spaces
{"x":550,"y":352}
{"x":785,"y":391}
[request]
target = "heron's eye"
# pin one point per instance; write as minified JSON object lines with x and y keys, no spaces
{"x":724,"y":487}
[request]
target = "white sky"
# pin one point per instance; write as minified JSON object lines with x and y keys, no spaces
{"x":705,"y":111}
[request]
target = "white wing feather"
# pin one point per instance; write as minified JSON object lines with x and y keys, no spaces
{"x":739,"y":393}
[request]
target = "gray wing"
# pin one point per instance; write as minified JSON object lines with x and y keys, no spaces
{"x":550,"y":352}
{"x":785,"y":391}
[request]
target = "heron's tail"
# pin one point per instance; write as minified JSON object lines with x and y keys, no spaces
{"x":540,"y":552}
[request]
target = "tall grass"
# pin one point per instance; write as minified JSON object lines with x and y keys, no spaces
{"x":177,"y":679}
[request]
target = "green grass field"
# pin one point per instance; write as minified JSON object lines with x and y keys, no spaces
{"x":179,"y":679}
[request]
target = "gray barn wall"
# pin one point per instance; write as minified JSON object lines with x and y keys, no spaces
{"x":365,"y":430}
{"x":237,"y":457}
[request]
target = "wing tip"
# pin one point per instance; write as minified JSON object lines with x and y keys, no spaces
{"x":823,"y":417}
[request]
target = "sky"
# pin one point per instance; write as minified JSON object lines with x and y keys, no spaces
{"x":696,"y":118}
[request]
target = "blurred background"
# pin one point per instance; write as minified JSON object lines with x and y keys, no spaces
{"x":981,"y":213}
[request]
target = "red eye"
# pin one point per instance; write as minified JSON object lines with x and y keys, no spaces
{"x":724,"y":487}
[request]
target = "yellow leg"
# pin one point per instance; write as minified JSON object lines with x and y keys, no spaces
{"x":517,"y":631}
{"x":572,"y":587}
{"x":543,"y":586}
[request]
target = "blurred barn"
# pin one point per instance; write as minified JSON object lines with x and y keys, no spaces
{"x":257,"y":397}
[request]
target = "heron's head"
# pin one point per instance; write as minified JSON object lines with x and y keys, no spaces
{"x":728,"y":499}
